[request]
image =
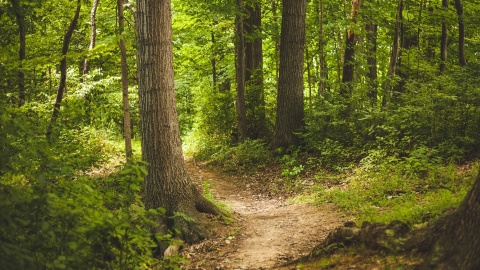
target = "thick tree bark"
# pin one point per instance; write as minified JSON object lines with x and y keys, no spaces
{"x":127,"y":131}
{"x":20,"y":17}
{"x":290,"y":107}
{"x":444,"y":40}
{"x":93,"y":34}
{"x":255,"y":96}
{"x":240,"y":72}
{"x":167,"y":183}
{"x":63,"y":70}
{"x":349,"y":57}
{"x":461,"y":33}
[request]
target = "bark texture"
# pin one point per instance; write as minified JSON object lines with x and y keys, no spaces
{"x":167,"y":183}
{"x":290,"y":107}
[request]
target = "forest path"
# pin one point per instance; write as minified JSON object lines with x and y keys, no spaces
{"x":266,"y":232}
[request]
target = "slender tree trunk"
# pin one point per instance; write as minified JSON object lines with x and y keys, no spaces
{"x":444,"y":40}
{"x":20,"y":17}
{"x":461,"y":33}
{"x":214,"y":61}
{"x":322,"y":83}
{"x":127,"y":131}
{"x":240,"y":72}
{"x":290,"y":108}
{"x":371,"y":32}
{"x":93,"y":34}
{"x":349,"y":57}
{"x":276,"y":35}
{"x":63,"y":70}
{"x":255,"y":96}
{"x":167,"y":183}
{"x":392,"y":68}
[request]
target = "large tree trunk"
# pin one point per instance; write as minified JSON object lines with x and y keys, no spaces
{"x":240,"y":72}
{"x":255,"y":97}
{"x":167,"y":183}
{"x":461,"y":33}
{"x":93,"y":34}
{"x":20,"y":17}
{"x":444,"y":40}
{"x":63,"y":70}
{"x":458,"y":246}
{"x":127,"y":131}
{"x":290,"y":111}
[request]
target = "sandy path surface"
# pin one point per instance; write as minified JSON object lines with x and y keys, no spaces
{"x":266,"y":233}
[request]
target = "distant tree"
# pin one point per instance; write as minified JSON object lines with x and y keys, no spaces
{"x":349,"y":57}
{"x":63,"y":69}
{"x":461,"y":33}
{"x":93,"y":33}
{"x":20,"y":18}
{"x":167,"y":183}
{"x":444,"y":40}
{"x":394,"y":54}
{"x":290,"y":107}
{"x":127,"y":130}
{"x":255,"y":96}
{"x":240,"y":72}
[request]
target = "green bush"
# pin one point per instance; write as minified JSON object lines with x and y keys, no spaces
{"x":77,"y":223}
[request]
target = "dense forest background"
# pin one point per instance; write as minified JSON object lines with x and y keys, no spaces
{"x":389,"y":105}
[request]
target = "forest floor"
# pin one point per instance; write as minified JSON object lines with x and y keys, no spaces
{"x":267,"y":230}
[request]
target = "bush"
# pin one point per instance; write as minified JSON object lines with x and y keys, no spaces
{"x":77,"y":223}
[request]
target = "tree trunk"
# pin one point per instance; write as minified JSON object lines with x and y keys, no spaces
{"x":20,"y":17}
{"x":371,"y":33}
{"x":392,"y":68}
{"x":93,"y":34}
{"x":461,"y":34}
{"x":63,"y":70}
{"x":240,"y":73}
{"x":255,"y":96}
{"x":290,"y":110}
{"x":322,"y":83}
{"x":274,"y":6}
{"x":127,"y":131}
{"x":444,"y":40}
{"x":349,"y":57}
{"x":167,"y":183}
{"x":458,"y":246}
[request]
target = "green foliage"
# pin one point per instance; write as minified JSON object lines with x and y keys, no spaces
{"x":77,"y":223}
{"x":247,"y":156}
{"x":389,"y":192}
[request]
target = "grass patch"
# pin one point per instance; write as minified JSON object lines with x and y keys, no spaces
{"x":388,"y":194}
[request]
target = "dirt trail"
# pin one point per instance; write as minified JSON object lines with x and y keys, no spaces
{"x":266,"y":232}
